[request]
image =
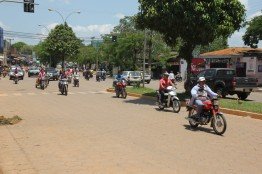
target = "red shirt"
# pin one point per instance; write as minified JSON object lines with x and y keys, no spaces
{"x":164,"y":83}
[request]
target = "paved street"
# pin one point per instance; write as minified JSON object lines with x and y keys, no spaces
{"x":91,"y":131}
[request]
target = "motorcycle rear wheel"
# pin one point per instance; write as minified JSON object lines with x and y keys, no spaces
{"x":124,"y":94}
{"x":217,"y":123}
{"x":176,"y":106}
{"x":191,"y":121}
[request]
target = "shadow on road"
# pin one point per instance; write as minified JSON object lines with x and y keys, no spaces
{"x":140,"y":101}
{"x":164,"y":110}
{"x":200,"y":128}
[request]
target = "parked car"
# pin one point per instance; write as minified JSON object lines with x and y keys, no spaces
{"x":224,"y":81}
{"x":33,"y":71}
{"x":20,"y":74}
{"x":147,"y":77}
{"x":52,"y":73}
{"x":132,"y":77}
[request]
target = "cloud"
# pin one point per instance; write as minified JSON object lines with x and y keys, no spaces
{"x":119,"y":15}
{"x":93,"y":30}
{"x":245,"y":3}
{"x":258,"y":13}
{"x":65,"y":1}
{"x":5,"y":27}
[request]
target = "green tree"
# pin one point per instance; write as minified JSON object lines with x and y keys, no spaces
{"x":87,"y":54}
{"x":195,"y":22}
{"x":62,"y":43}
{"x":18,"y":46}
{"x":254,"y":32}
{"x":27,"y":49}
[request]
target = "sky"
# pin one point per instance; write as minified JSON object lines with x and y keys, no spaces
{"x":96,"y":17}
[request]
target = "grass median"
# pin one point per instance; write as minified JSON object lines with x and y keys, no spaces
{"x":249,"y":106}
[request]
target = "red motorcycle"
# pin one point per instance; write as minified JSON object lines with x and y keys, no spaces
{"x":210,"y":113}
{"x":120,"y":89}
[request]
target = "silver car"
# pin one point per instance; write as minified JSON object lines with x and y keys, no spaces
{"x":132,"y":77}
{"x":147,"y":77}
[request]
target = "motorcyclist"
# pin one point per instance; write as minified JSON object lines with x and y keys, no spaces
{"x":63,"y":75}
{"x":163,"y":84}
{"x":201,"y":92}
{"x":103,"y":74}
{"x":118,"y":78}
{"x":41,"y":75}
{"x":172,"y":76}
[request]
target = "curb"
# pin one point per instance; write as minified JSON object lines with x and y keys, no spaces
{"x":183,"y":104}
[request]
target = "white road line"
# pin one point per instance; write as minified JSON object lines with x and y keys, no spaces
{"x":3,"y":95}
{"x":17,"y":94}
{"x":71,"y":93}
{"x":30,"y":93}
{"x":45,"y":93}
{"x":81,"y":92}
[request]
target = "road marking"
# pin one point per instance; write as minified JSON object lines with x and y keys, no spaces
{"x":30,"y":93}
{"x":3,"y":95}
{"x":17,"y":94}
{"x":45,"y":93}
{"x":71,"y":93}
{"x":81,"y":92}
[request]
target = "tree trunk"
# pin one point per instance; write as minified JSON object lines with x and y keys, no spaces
{"x":186,"y":53}
{"x":150,"y":52}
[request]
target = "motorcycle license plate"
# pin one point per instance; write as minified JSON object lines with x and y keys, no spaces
{"x":216,"y":102}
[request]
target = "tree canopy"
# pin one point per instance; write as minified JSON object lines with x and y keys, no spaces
{"x":62,"y":43}
{"x":254,"y":32}
{"x":195,"y":22}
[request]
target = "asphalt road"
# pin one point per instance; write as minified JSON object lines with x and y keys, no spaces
{"x":91,"y":131}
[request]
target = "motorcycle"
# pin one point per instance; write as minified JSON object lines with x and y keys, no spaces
{"x":209,"y":114}
{"x":76,"y":80}
{"x":103,"y":77}
{"x":120,"y":89}
{"x":43,"y":83}
{"x":69,"y":79}
{"x":170,"y":100}
{"x":178,"y":78}
{"x":63,"y":86}
{"x":98,"y":78}
{"x":16,"y":79}
{"x":4,"y":73}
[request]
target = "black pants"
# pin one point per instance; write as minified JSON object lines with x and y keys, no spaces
{"x":162,"y":94}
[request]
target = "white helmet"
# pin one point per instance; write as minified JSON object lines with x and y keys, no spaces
{"x":201,"y":79}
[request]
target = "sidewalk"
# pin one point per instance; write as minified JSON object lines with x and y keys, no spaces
{"x":258,"y":89}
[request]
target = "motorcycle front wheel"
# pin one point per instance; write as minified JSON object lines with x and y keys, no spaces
{"x":65,"y":90}
{"x":192,"y":121}
{"x":176,"y":106}
{"x":219,"y":124}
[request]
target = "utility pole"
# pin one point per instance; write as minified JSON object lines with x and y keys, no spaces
{"x":144,"y":59}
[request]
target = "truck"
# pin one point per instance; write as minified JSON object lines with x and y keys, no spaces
{"x":224,"y":82}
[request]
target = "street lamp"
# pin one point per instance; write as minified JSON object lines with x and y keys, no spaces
{"x":44,"y":27}
{"x":64,"y":19}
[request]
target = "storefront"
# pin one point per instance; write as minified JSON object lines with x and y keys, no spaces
{"x":246,"y":61}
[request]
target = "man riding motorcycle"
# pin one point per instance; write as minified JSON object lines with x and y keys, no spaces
{"x":41,"y":75}
{"x":163,"y":84}
{"x":63,"y":75}
{"x":201,"y":92}
{"x":118,"y":78}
